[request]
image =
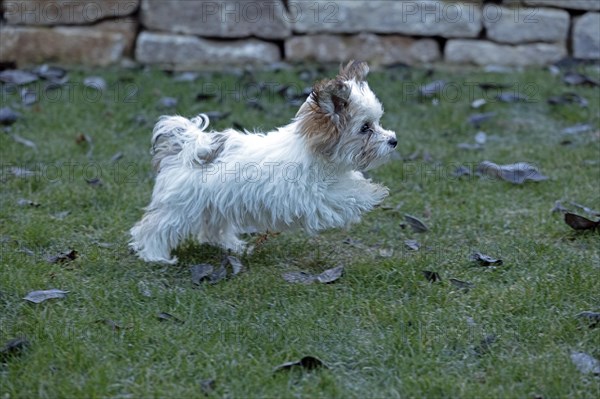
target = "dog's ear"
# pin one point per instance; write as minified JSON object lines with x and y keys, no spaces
{"x":331,"y":97}
{"x":356,"y":70}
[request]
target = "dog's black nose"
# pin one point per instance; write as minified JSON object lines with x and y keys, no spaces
{"x":393,"y":142}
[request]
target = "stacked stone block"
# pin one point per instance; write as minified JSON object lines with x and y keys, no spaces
{"x":191,"y":34}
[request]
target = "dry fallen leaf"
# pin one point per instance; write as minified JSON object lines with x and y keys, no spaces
{"x":328,"y":276}
{"x":580,"y":223}
{"x":236,"y":265}
{"x":201,"y":272}
{"x":516,"y":173}
{"x":478,"y":119}
{"x":432,"y":88}
{"x":13,"y":347}
{"x":24,"y":141}
{"x":585,"y":363}
{"x":26,"y":202}
{"x":164,"y":316}
{"x":307,"y":363}
{"x":576,"y":79}
{"x":8,"y":116}
{"x":62,"y":257}
{"x":568,"y":98}
{"x":41,"y":296}
{"x":417,"y":225}
{"x":484,"y":260}
{"x":17,"y":77}
{"x":95,"y":82}
{"x":432,"y":277}
{"x":412,"y":245}
{"x":463,"y":285}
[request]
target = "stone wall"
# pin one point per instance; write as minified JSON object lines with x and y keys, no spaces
{"x":189,"y":34}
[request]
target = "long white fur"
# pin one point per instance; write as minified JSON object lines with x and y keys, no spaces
{"x":215,"y":186}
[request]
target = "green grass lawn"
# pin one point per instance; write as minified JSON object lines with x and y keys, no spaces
{"x":382,"y":329}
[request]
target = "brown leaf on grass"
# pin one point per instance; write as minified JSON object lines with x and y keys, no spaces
{"x":580,"y":223}
{"x":24,"y":141}
{"x":116,"y":157}
{"x":328,"y":276}
{"x":13,"y":347}
{"x":432,"y":88}
{"x":164,"y":316}
{"x":478,"y":103}
{"x":236,"y":265}
{"x":463,"y":285}
{"x":585,"y":363}
{"x":17,"y":77}
{"x":478,"y":119}
{"x":63,"y":257}
{"x":41,"y":296}
{"x":485,"y":260}
{"x":417,"y":225}
{"x":28,"y":96}
{"x":516,"y":173}
{"x":26,"y":202}
{"x":593,"y":318}
{"x":578,"y":79}
{"x":568,"y":98}
{"x":307,"y":363}
{"x":492,"y":86}
{"x":577,"y":129}
{"x":430,"y":276}
{"x":201,"y":272}
{"x":412,"y":245}
{"x":8,"y":116}
{"x":218,"y":275}
{"x":94,"y":182}
{"x":95,"y":82}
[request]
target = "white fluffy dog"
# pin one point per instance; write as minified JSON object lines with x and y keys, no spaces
{"x":214,"y":186}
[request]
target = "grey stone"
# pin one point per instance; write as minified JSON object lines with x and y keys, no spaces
{"x":481,"y":52}
{"x":65,"y":12}
{"x":525,"y":25}
{"x":100,"y":45}
{"x":586,"y":36}
{"x":191,"y":52}
{"x":378,"y":50}
{"x":572,"y":4}
{"x":418,"y":18}
{"x":226,"y":19}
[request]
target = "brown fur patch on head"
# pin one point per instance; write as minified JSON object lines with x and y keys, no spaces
{"x":323,"y":116}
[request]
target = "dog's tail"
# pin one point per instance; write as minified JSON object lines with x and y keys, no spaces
{"x":176,"y":136}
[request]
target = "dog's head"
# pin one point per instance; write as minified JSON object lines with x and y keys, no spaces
{"x":340,"y":120}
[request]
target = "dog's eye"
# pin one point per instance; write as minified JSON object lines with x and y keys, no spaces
{"x":365,"y":128}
